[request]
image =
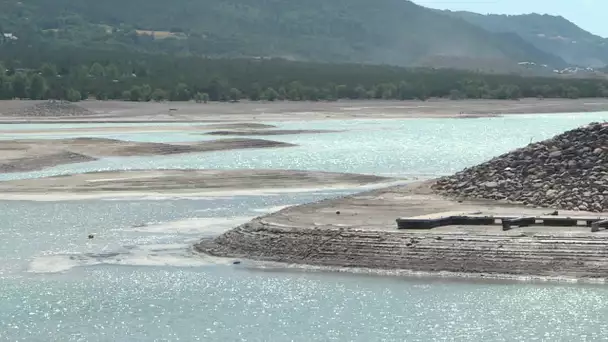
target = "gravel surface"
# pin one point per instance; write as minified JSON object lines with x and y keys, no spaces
{"x":569,"y":171}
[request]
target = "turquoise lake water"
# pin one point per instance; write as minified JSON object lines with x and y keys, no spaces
{"x":139,"y":281}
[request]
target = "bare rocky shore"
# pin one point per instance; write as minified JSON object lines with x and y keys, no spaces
{"x":569,"y":171}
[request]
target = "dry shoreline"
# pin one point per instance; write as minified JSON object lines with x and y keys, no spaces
{"x":364,"y":235}
{"x":133,"y":112}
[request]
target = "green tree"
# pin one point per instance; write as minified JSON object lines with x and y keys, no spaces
{"x":146,"y":92}
{"x":48,"y":71}
{"x":158,"y":95}
{"x":360,"y":92}
{"x":235,"y":95}
{"x":38,"y":87}
{"x":73,"y":95}
{"x":389,"y":91}
{"x":271,"y":95}
{"x":456,"y":94}
{"x":342,"y":92}
{"x":20,"y":85}
{"x":282,"y":94}
{"x":112,"y":72}
{"x":217,"y":89}
{"x":405,"y":91}
{"x":572,"y":92}
{"x":101,"y":95}
{"x":6,"y":88}
{"x":201,"y":97}
{"x":295,"y":91}
{"x":255,"y":93}
{"x":135,"y":94}
{"x":181,"y":93}
{"x":97,"y":70}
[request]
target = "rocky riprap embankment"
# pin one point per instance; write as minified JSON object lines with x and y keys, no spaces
{"x":50,"y":108}
{"x":569,"y":171}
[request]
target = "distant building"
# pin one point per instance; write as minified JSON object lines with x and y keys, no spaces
{"x":9,"y":36}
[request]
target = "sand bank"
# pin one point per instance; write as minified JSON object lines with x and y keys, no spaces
{"x":264,"y":132}
{"x":37,"y":154}
{"x":178,"y":183}
{"x":160,"y":127}
{"x":119,"y":111}
{"x":364,"y":235}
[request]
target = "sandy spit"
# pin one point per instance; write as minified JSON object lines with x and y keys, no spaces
{"x":37,"y":154}
{"x":180,"y":183}
{"x":265,"y":132}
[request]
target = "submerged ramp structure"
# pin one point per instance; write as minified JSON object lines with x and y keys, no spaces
{"x":507,"y":221}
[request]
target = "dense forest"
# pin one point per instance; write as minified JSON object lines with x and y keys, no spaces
{"x":47,"y":72}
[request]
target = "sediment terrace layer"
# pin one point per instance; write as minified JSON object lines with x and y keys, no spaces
{"x":37,"y":154}
{"x":125,"y":111}
{"x":263,"y":132}
{"x":364,"y":234}
{"x":159,"y":127}
{"x":182,"y":181}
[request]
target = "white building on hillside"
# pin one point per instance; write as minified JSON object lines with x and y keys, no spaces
{"x":9,"y":36}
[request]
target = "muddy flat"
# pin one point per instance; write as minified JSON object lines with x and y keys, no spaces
{"x":120,"y":111}
{"x":37,"y":154}
{"x":180,"y":181}
{"x":158,"y":128}
{"x":263,"y":132}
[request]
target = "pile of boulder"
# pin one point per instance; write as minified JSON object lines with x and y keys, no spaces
{"x":51,"y":108}
{"x":569,"y":171}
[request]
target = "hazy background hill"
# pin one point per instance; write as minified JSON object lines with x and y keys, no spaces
{"x":552,"y":34}
{"x":394,"y":32}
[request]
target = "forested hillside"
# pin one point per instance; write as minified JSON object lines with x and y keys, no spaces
{"x":396,"y":32}
{"x":552,"y":34}
{"x":74,"y":73}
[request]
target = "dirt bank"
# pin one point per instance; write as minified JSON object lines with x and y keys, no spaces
{"x":364,"y":234}
{"x":139,"y":182}
{"x":37,"y":154}
{"x":118,"y":111}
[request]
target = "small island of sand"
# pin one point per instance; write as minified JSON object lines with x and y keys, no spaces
{"x":37,"y":154}
{"x":178,"y":182}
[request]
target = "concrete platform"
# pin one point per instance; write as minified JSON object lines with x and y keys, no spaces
{"x":508,"y":221}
